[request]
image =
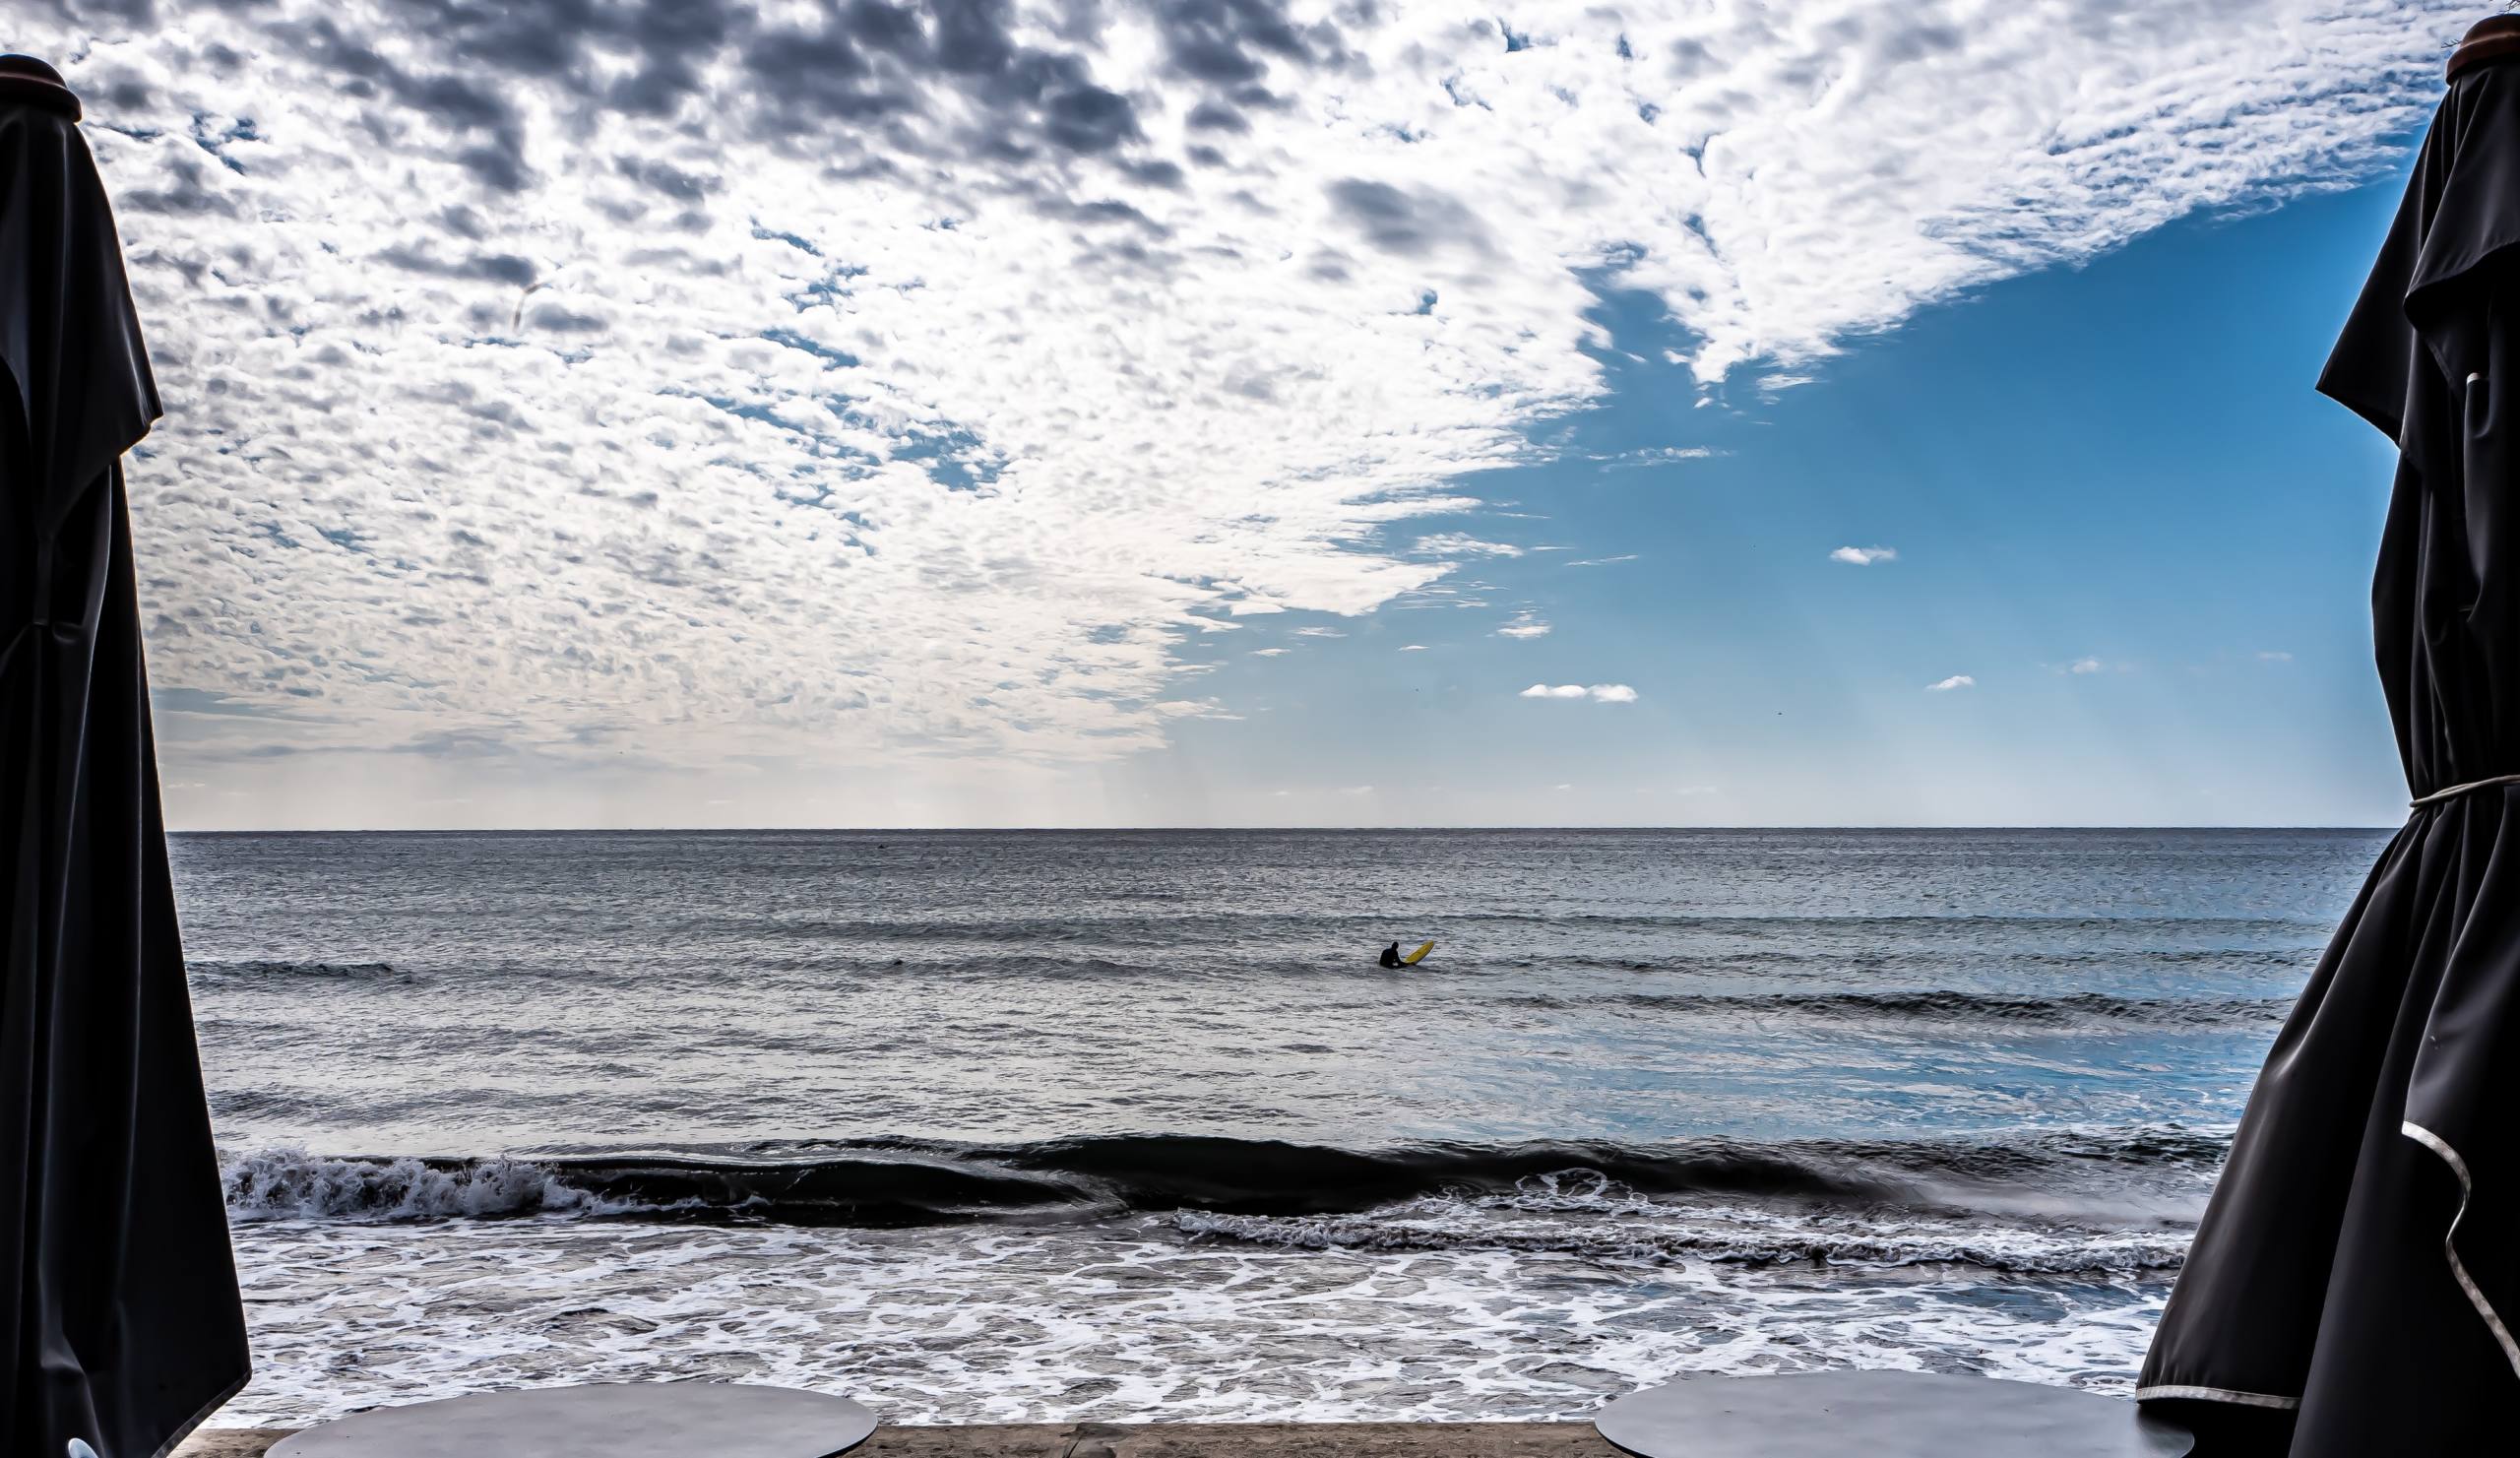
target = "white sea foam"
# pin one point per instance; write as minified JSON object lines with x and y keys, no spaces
{"x":290,"y":1182}
{"x":1128,"y":1320}
{"x":1729,"y":1233}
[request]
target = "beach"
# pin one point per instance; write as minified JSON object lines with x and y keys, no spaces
{"x":998,"y":1128}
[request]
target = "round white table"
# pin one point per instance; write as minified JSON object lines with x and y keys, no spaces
{"x":607,"y":1419}
{"x":1881,"y":1414}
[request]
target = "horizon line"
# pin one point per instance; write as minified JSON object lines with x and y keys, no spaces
{"x":1231,"y":829}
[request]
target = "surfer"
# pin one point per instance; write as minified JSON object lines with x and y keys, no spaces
{"x":1391,"y":956}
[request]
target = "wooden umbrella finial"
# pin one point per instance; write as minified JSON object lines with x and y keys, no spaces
{"x":2494,"y":39}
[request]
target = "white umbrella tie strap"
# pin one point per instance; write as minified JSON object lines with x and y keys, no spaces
{"x":2455,"y":791}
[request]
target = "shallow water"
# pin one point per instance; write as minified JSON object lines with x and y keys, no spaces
{"x":988,"y":1125}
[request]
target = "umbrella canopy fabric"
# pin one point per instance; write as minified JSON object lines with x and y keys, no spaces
{"x":2359,"y":1262}
{"x":119,"y":1317}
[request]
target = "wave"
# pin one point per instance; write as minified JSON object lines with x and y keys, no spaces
{"x":273,"y":1183}
{"x":895,"y":1183}
{"x":2020,"y":1249}
{"x":258,"y":970}
{"x":1868,"y":922}
{"x":1137,"y":925}
{"x":1945,"y":1006}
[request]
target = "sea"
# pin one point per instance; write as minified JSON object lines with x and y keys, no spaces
{"x":989,"y":1126}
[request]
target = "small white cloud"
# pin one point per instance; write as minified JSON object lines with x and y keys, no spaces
{"x":1656,"y":455}
{"x":1463,"y":545}
{"x":1319,"y":633}
{"x":1524,"y":625}
{"x":2275,"y":655}
{"x":2085,"y":666}
{"x":1863,"y":556}
{"x":1270,"y":653}
{"x":1413,"y":648}
{"x":1194,"y":709}
{"x":1599,"y":693}
{"x":1956,"y":680}
{"x":1603,"y":561}
{"x":1564,"y":786}
{"x":1613,"y":693}
{"x":1561,"y":692}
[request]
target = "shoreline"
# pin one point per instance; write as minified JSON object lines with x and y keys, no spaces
{"x":1139,"y":1441}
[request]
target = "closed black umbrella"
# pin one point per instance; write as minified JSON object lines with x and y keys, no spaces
{"x":2355,"y":1286}
{"x":119,"y":1317}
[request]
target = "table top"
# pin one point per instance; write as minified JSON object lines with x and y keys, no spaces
{"x":1881,"y":1414}
{"x":611,"y":1420}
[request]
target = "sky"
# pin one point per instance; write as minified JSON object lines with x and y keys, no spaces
{"x":1256,"y":411}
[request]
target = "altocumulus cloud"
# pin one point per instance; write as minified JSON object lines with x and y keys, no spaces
{"x":1599,"y":693}
{"x":1863,"y":556}
{"x":1956,"y":680}
{"x":829,"y":381}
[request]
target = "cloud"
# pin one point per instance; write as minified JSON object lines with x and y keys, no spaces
{"x":1863,"y":556}
{"x":1600,"y":693}
{"x":2273,"y":655}
{"x":2086,"y":666}
{"x":1524,"y":625}
{"x":1319,"y":633}
{"x":1412,"y":222}
{"x":1603,"y":561}
{"x":1463,"y":545}
{"x":779,"y":380}
{"x":1413,"y":648}
{"x":1271,"y":653}
{"x":1956,"y":680}
{"x":1653,"y":456}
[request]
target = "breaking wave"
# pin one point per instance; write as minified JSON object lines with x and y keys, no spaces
{"x":2045,"y":1201}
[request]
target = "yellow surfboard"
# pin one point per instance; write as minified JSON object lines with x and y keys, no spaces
{"x":1416,"y":956}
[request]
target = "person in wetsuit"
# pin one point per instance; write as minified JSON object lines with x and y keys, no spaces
{"x":1391,"y":956}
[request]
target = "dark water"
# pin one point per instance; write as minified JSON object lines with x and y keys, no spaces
{"x":1056,"y":1125}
